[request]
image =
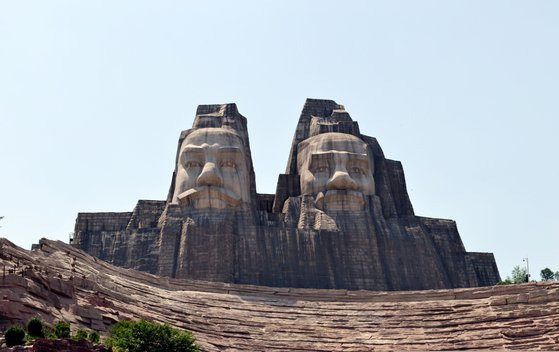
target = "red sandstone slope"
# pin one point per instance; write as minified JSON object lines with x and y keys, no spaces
{"x":60,"y":282}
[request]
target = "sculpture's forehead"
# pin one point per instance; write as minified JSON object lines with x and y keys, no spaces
{"x":211,"y":136}
{"x":336,"y":142}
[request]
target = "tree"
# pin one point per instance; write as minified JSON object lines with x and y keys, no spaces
{"x":94,"y":337}
{"x":81,"y":334}
{"x":35,"y":327}
{"x":546,"y":274}
{"x":62,"y":330}
{"x":48,"y":332}
{"x":139,"y":336}
{"x":519,"y":275}
{"x":14,"y":336}
{"x":556,"y":275}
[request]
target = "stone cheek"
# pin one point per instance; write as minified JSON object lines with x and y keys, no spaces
{"x":337,"y":169}
{"x":212,"y":170}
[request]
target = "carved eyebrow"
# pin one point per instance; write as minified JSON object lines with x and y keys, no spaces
{"x":330,"y":154}
{"x":230,"y":150}
{"x":192,"y":149}
{"x":197,"y":148}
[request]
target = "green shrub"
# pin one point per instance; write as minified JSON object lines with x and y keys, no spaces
{"x":35,"y":327}
{"x":94,"y":337}
{"x":48,"y":331}
{"x":81,"y":334}
{"x":62,"y":330}
{"x":14,"y":336}
{"x":139,"y":336}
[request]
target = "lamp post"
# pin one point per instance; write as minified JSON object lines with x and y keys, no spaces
{"x":527,"y":269}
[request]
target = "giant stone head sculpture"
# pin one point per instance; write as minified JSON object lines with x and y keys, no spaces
{"x":212,"y":170}
{"x":336,"y":168}
{"x":213,"y":161}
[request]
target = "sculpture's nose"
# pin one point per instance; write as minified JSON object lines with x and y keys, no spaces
{"x":209,"y":176}
{"x":341,"y":181}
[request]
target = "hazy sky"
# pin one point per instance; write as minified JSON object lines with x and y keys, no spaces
{"x":94,"y":94}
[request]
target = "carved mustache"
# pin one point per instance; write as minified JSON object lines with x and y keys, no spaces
{"x":335,"y":196}
{"x":192,"y":195}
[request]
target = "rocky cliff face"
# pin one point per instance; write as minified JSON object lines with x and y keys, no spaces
{"x":60,"y":282}
{"x":341,"y":217}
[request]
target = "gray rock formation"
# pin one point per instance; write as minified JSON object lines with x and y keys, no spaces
{"x":340,"y":218}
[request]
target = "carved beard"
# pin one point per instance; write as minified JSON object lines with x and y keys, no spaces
{"x":340,"y":200}
{"x":209,"y":197}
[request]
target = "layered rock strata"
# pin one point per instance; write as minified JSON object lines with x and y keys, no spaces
{"x":341,"y":217}
{"x":59,"y":282}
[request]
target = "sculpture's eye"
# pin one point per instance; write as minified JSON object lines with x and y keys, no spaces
{"x":321,"y":168}
{"x":356,"y":170}
{"x":229,"y":163}
{"x":192,"y":164}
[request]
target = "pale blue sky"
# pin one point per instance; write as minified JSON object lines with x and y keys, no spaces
{"x":94,"y":94}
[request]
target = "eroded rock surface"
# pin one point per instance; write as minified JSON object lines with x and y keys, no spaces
{"x":59,"y":281}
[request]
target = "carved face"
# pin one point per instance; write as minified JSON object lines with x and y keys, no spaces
{"x":212,"y":170}
{"x":337,"y":170}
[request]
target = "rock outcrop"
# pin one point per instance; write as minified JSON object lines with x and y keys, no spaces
{"x":341,"y":217}
{"x":60,"y":282}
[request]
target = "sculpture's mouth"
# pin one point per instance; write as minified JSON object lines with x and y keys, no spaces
{"x":209,"y":197}
{"x":340,"y":200}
